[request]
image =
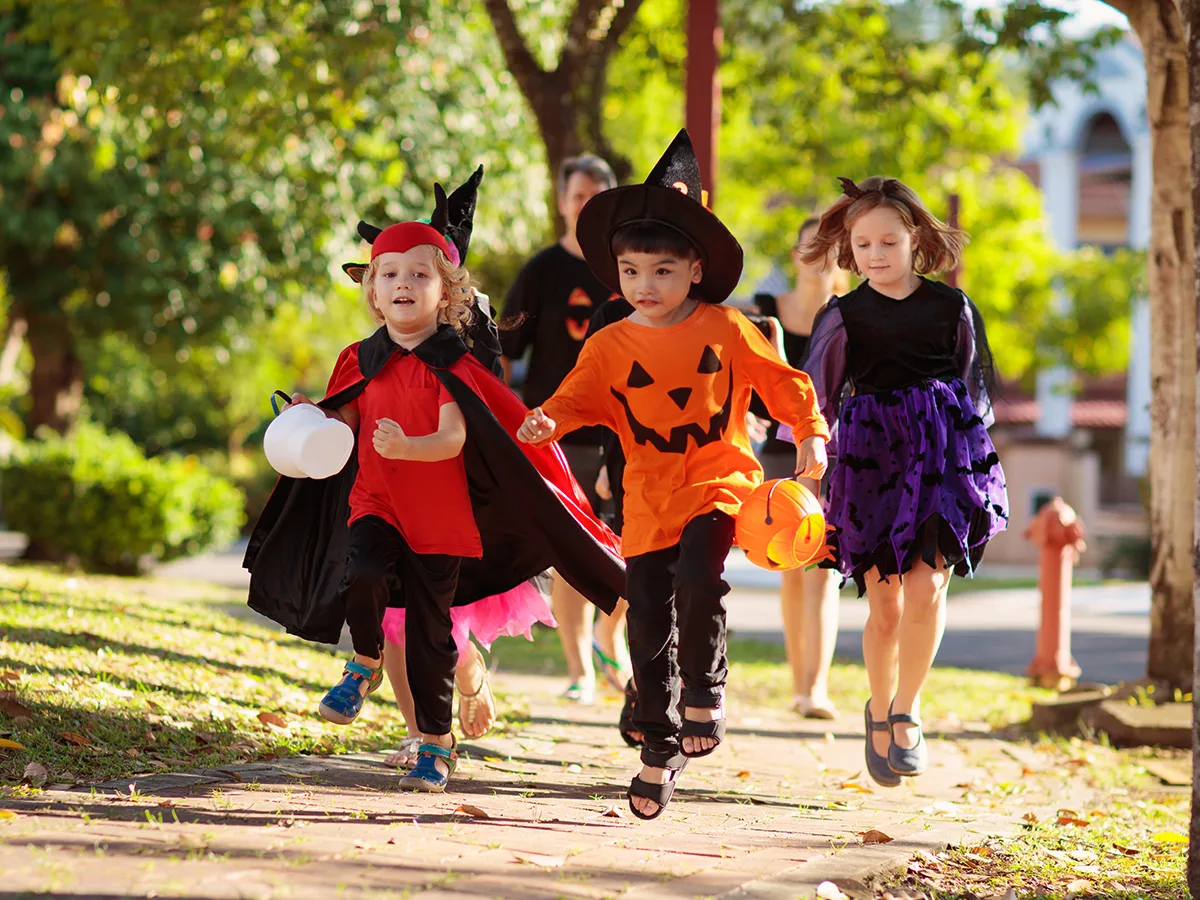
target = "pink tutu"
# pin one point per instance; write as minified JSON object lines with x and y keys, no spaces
{"x":504,"y":615}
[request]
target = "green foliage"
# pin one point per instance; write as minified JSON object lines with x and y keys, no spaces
{"x":813,"y":91}
{"x":93,"y":498}
{"x":186,"y":224}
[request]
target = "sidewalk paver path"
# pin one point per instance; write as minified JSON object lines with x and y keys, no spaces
{"x":777,"y":810}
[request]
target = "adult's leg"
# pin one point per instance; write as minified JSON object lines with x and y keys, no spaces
{"x":818,"y":632}
{"x":575,"y":615}
{"x":610,"y":637}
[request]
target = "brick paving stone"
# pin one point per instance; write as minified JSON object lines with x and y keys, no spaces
{"x":781,"y":804}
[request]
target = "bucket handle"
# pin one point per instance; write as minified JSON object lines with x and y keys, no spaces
{"x":287,"y":398}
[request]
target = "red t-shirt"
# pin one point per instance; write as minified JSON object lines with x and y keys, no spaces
{"x":428,"y":502}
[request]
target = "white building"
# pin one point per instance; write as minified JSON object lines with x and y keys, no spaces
{"x":1087,"y":440}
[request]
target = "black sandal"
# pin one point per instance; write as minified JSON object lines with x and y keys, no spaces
{"x":655,"y":793}
{"x":715,"y":729}
{"x":625,"y":724}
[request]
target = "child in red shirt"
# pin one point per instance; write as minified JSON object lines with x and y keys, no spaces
{"x":420,"y":535}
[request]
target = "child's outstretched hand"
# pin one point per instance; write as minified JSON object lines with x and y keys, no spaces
{"x":389,"y":439}
{"x":810,"y":458}
{"x":537,"y":427}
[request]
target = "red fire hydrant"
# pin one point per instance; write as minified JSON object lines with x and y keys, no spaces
{"x":1058,"y":533}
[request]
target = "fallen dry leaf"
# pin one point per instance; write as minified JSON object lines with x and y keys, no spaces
{"x":1069,"y":820}
{"x":1128,"y":851}
{"x":613,"y":813}
{"x":473,"y":811}
{"x":745,"y":773}
{"x":1029,"y":817}
{"x":541,"y":860}
{"x":7,"y":814}
{"x":10,"y":676}
{"x":1078,"y":886}
{"x":205,"y":737}
{"x":875,"y":837}
{"x":270,"y":718}
{"x":132,"y":751}
{"x":35,"y":774}
{"x":13,"y":708}
{"x":6,"y":744}
{"x":168,"y":803}
{"x":1169,"y":837}
{"x":857,"y":787}
{"x":72,"y":738}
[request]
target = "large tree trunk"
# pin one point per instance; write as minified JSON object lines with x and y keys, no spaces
{"x":1191,"y":18}
{"x":56,"y":383}
{"x":1172,"y":338}
{"x":567,"y":101}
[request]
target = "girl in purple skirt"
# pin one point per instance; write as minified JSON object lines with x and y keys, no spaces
{"x":901,"y":363}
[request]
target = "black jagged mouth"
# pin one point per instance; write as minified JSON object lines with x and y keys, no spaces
{"x":677,"y":439}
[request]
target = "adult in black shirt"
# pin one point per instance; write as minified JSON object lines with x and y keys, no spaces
{"x":809,"y":599}
{"x":547,"y":312}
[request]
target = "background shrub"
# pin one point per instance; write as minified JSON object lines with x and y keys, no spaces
{"x":94,"y":499}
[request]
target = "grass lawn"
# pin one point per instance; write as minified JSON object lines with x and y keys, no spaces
{"x":1132,"y":846}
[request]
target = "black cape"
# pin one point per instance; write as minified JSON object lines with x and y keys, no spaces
{"x":530,"y":512}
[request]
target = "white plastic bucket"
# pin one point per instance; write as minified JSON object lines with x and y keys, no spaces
{"x":303,"y":443}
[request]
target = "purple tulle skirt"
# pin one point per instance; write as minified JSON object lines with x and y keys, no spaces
{"x":505,"y":615}
{"x":915,"y":473}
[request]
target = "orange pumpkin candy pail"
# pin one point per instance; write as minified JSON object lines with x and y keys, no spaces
{"x":781,"y":526}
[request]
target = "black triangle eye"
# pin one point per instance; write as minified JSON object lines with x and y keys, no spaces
{"x":710,"y":363}
{"x":639,"y":377}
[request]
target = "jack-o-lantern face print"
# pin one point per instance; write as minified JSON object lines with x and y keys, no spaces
{"x":696,"y":395}
{"x":579,"y":314}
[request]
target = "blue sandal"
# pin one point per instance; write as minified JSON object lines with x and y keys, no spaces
{"x":425,"y":776}
{"x":877,"y":763}
{"x":345,"y":700}
{"x":906,"y":761}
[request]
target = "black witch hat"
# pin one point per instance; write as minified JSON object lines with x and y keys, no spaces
{"x":452,"y":216}
{"x":670,"y":196}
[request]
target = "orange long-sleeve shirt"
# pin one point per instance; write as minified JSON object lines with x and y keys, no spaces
{"x":677,"y":397}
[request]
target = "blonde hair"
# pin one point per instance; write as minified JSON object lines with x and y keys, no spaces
{"x":457,"y":293}
{"x":841,"y":278}
{"x":938,"y":247}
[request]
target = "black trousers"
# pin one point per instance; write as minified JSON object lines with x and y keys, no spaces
{"x":677,"y":631}
{"x":378,"y":557}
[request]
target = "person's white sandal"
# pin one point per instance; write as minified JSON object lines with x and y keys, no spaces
{"x":820,"y":708}
{"x":469,"y":706}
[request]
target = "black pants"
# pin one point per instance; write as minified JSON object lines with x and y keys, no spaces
{"x":677,"y":630}
{"x":377,"y":556}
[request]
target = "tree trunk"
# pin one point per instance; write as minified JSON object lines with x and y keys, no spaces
{"x":567,"y":102}
{"x":1172,"y":336}
{"x":56,"y":383}
{"x":1191,"y":19}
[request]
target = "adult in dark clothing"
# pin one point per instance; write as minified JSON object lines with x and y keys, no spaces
{"x":809,"y":599}
{"x":547,"y":313}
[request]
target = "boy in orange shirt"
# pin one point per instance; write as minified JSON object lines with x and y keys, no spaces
{"x":673,"y":380}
